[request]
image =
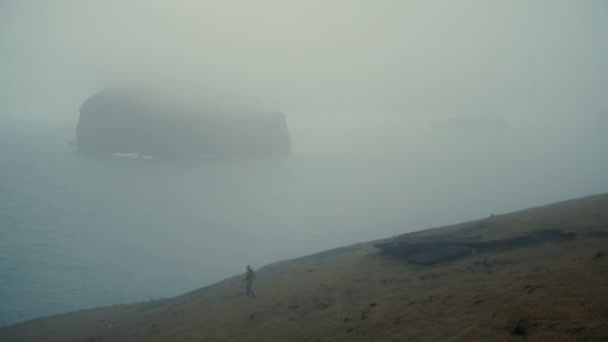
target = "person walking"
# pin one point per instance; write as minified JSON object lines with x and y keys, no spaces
{"x":249,"y":277}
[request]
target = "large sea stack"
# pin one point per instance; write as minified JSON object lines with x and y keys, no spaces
{"x":117,"y":120}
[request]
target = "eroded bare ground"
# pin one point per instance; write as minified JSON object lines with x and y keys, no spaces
{"x":554,"y":291}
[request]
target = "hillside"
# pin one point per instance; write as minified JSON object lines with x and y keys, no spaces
{"x":554,"y":290}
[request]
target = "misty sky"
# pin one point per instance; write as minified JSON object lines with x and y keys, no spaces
{"x":355,"y":75}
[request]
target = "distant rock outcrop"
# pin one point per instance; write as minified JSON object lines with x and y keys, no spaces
{"x":474,"y":123}
{"x":432,"y":250}
{"x":117,"y":120}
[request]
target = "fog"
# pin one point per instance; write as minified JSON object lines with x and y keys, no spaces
{"x":355,"y":78}
{"x":414,"y":113}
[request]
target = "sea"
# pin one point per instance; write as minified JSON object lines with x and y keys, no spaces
{"x":80,"y":232}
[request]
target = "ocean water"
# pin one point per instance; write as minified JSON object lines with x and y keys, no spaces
{"x":79,"y":232}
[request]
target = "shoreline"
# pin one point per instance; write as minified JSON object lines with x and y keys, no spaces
{"x":554,"y":290}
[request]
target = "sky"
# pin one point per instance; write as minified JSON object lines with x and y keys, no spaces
{"x":370,"y":76}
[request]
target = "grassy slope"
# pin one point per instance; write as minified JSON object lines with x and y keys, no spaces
{"x":551,"y":292}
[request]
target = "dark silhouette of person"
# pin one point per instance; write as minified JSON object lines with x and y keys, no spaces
{"x":249,"y":277}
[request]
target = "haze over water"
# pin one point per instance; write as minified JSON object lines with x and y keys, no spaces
{"x":81,"y":232}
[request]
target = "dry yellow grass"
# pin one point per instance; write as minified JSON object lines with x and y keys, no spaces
{"x":549,"y":292}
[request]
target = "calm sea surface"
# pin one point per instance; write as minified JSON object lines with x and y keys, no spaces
{"x":78,"y":232}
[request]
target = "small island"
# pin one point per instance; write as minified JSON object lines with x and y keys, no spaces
{"x":120,"y":121}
